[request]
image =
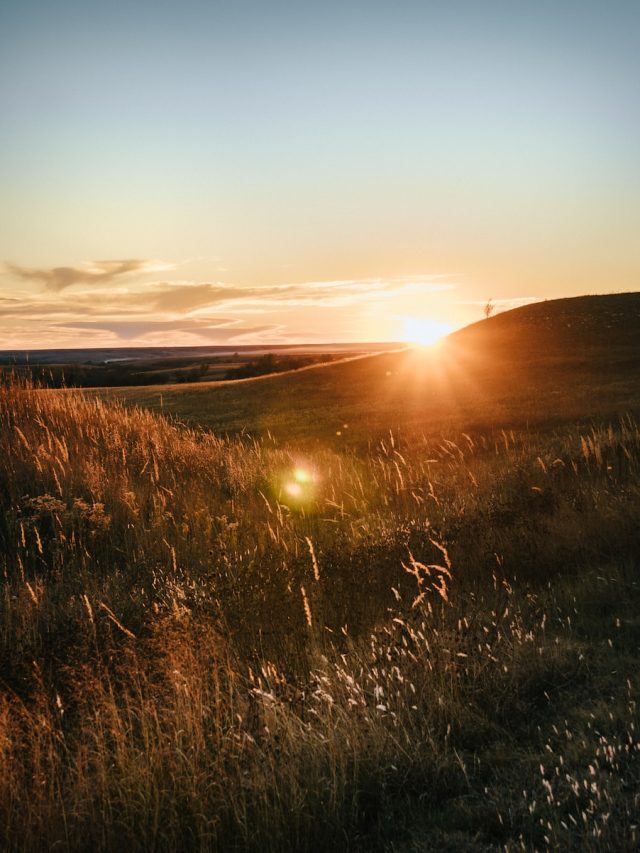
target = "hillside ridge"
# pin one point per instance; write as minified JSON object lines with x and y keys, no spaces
{"x":561,"y":360}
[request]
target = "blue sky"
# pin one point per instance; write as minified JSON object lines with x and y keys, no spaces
{"x":380,"y":160}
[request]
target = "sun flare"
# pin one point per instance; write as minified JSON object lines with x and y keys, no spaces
{"x":297,"y":487}
{"x":424,"y":331}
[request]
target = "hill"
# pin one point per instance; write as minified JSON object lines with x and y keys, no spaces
{"x":549,"y":362}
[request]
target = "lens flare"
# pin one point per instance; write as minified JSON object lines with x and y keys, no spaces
{"x":297,"y":487}
{"x":294,"y":490}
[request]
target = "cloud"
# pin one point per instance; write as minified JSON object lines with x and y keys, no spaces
{"x":132,"y":309}
{"x":516,"y":300}
{"x":504,"y":304}
{"x":190,"y":296}
{"x":57,"y":278}
{"x":211,"y":330}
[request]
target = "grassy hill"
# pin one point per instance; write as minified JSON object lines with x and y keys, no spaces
{"x":550,"y":362}
{"x":429,"y":642}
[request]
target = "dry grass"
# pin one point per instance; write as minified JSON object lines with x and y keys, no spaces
{"x":228,"y":644}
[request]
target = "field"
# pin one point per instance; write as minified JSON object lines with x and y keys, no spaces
{"x":388,"y":604}
{"x":549,"y":363}
{"x":137,"y":366}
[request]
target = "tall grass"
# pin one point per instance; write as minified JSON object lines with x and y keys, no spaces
{"x":227,"y":644}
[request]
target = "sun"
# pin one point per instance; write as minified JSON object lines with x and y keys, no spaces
{"x":424,"y":331}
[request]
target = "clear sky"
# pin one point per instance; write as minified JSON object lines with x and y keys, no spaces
{"x":244,"y":171}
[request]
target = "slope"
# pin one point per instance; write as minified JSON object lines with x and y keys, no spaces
{"x":545,"y":363}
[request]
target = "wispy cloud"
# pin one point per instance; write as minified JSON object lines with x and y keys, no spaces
{"x":190,"y":296}
{"x":119,"y":301}
{"x":504,"y":304}
{"x":94,"y":272}
{"x":211,"y":330}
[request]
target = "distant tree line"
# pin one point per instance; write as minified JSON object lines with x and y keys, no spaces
{"x":270,"y":363}
{"x":109,"y":376}
{"x":135,"y":373}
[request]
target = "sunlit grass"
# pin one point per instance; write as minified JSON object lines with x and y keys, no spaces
{"x":433,"y":642}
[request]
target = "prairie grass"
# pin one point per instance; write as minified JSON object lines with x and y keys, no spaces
{"x":232,"y":644}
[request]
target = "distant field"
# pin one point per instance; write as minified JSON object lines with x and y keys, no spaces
{"x":137,"y":367}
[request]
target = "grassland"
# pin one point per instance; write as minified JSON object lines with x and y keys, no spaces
{"x":542,"y":365}
{"x":424,"y":638}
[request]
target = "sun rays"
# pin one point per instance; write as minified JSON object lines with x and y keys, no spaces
{"x":424,"y":331}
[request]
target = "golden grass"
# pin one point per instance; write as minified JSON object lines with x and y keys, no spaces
{"x":434,"y":645}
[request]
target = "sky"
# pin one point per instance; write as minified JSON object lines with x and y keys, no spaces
{"x":268,"y":172}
